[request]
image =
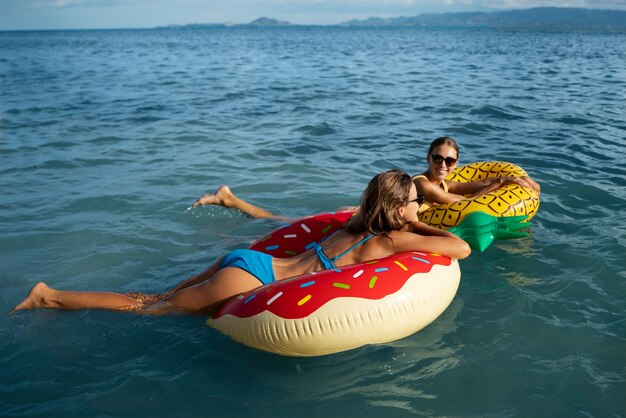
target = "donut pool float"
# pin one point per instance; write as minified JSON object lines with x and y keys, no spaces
{"x":339,"y":309}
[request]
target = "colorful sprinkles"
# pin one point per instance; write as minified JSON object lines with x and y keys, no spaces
{"x":304,"y":300}
{"x":402,"y":266}
{"x":276,"y":296}
{"x":372,"y":282}
{"x":300,"y":296}
{"x":341,"y":285}
{"x":300,"y":233}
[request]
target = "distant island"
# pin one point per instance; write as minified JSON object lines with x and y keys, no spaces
{"x":260,"y":22}
{"x":545,"y":18}
{"x":538,"y":18}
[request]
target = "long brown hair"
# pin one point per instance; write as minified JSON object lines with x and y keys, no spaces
{"x":384,"y":194}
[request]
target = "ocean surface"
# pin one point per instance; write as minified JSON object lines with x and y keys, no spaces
{"x":108,"y":137}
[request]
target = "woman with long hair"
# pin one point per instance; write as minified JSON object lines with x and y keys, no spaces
{"x":386,"y":223}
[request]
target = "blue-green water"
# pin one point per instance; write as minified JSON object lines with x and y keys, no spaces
{"x":107,"y":137}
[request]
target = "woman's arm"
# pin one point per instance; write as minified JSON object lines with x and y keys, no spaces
{"x":526,"y":181}
{"x":478,"y":188}
{"x":438,"y":241}
{"x":421,"y":228}
{"x":475,"y":188}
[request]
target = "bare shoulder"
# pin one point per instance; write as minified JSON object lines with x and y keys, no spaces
{"x":420,"y":179}
{"x":424,"y":186}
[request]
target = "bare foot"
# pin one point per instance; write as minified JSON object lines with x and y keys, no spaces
{"x":36,"y":298}
{"x":222,"y":196}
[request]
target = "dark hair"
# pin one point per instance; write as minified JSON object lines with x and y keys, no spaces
{"x":444,"y":140}
{"x":384,"y":194}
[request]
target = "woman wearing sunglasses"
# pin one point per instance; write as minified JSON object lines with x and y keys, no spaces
{"x":432,"y":186}
{"x":442,"y":158}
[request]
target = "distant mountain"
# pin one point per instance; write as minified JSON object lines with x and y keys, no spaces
{"x":538,"y":18}
{"x":260,"y":22}
{"x":266,"y":21}
{"x":544,"y":18}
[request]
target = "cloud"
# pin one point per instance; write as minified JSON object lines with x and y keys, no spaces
{"x":356,"y":5}
{"x":60,"y":4}
{"x":525,"y":4}
{"x":489,"y":4}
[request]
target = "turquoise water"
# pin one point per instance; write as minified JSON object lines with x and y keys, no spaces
{"x":107,"y":137}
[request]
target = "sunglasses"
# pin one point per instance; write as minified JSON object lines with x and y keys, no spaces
{"x":437,"y":159}
{"x":419,"y":200}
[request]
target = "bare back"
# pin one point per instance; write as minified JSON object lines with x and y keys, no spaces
{"x":379,"y":246}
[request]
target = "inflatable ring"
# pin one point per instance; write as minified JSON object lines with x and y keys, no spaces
{"x":507,"y":201}
{"x":336,"y":310}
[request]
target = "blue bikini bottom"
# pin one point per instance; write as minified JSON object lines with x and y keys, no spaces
{"x":254,"y":262}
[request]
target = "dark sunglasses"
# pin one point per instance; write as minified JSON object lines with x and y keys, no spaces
{"x":419,"y":200}
{"x":437,"y":159}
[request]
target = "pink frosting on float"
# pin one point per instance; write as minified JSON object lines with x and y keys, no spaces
{"x":294,"y":239}
{"x":300,"y":296}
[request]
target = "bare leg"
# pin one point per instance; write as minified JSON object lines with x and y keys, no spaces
{"x":197,"y":279}
{"x":223,"y":196}
{"x":207,"y":295}
{"x":42,"y":296}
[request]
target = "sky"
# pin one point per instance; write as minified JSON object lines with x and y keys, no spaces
{"x":109,"y":14}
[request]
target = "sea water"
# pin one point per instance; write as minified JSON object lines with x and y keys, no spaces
{"x":108,"y":137}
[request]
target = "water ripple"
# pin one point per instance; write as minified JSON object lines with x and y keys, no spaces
{"x":108,"y":137}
